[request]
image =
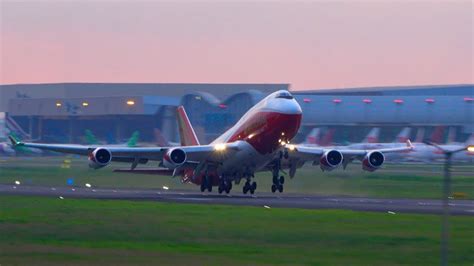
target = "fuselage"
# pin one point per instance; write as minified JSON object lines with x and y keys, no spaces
{"x":267,"y":126}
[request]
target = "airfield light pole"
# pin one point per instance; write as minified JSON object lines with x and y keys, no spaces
{"x":448,"y":154}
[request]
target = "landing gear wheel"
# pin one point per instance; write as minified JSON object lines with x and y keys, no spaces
{"x":246,"y":187}
{"x":282,"y":180}
{"x":275,"y":180}
{"x":280,"y":188}
{"x":253,"y":187}
{"x":228,"y":187}
{"x":274,"y":188}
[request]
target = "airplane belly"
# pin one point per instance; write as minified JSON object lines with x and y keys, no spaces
{"x":245,"y":162}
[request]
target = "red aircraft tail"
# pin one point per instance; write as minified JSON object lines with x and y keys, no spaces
{"x":186,"y":131}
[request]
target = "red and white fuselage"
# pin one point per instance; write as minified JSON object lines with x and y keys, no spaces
{"x":260,"y":133}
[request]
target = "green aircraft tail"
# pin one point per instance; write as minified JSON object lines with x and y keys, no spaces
{"x":90,"y":138}
{"x":132,"y":142}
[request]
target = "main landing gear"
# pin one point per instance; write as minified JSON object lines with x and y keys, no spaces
{"x":206,"y":183}
{"x":278,"y":184}
{"x":249,"y":187}
{"x":225,"y":185}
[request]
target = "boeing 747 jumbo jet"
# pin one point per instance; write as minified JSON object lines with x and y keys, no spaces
{"x":260,"y":141}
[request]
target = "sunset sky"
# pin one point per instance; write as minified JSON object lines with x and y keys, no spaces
{"x":310,"y":45}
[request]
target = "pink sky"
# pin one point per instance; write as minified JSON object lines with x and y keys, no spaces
{"x":308,"y":44}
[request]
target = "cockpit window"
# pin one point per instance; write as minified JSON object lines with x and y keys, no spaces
{"x":285,"y":95}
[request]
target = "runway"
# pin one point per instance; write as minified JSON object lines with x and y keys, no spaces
{"x":262,"y":199}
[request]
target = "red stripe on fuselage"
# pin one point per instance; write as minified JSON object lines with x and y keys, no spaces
{"x":264,"y":130}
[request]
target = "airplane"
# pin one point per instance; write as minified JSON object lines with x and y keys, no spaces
{"x":259,"y":141}
{"x":314,"y":138}
{"x":131,"y":142}
{"x":426,"y":153}
{"x":402,"y":137}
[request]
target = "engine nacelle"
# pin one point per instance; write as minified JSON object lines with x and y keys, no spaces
{"x":373,"y":161}
{"x":330,"y":160}
{"x":174,"y":158}
{"x":99,"y":158}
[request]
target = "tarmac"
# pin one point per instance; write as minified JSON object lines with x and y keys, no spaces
{"x":262,"y":199}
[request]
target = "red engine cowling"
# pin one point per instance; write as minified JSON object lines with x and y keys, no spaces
{"x":330,"y":160}
{"x":373,"y":161}
{"x":174,"y":158}
{"x":100,"y":157}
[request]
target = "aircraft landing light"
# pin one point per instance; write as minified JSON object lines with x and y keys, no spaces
{"x":220,"y":147}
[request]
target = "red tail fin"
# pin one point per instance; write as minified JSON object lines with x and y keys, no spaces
{"x":186,"y":131}
{"x":437,"y":136}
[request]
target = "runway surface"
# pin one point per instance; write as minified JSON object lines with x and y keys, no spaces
{"x":266,"y":200}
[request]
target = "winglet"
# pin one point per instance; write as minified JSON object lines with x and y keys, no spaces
{"x":14,"y":141}
{"x":409,"y":145}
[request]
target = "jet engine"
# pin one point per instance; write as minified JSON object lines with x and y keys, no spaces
{"x":174,"y":158}
{"x":373,"y":161}
{"x":99,"y":158}
{"x":330,"y":160}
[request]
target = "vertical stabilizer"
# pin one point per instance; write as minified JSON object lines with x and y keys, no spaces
{"x":373,"y":136}
{"x":420,"y":135}
{"x":452,"y":135}
{"x":186,"y":132}
{"x":404,"y":135}
{"x":313,"y":137}
{"x":470,"y":140}
{"x":437,"y":136}
{"x":133,"y":141}
{"x":327,"y":140}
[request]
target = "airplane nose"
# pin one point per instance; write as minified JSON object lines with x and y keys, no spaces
{"x":296,"y":108}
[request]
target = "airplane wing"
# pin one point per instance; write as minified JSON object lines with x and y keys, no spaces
{"x":330,"y":158}
{"x":214,"y":153}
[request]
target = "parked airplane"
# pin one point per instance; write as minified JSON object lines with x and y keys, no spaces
{"x":131,"y":142}
{"x":259,"y":141}
{"x":373,"y":136}
{"x":402,"y":137}
{"x":314,"y":137}
{"x":425,"y":153}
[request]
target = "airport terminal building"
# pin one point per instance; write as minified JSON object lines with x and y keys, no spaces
{"x":62,"y":112}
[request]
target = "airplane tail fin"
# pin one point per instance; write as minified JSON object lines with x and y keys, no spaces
{"x":437,"y":136}
{"x":90,"y":138}
{"x":452,"y":135}
{"x":328,"y":138}
{"x":420,"y":135}
{"x":404,"y":135}
{"x":313,"y":137}
{"x":470,"y":140}
{"x":186,"y":132}
{"x":132,"y":142}
{"x":160,"y":139}
{"x":373,"y":136}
